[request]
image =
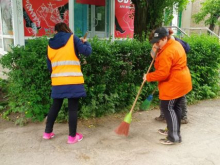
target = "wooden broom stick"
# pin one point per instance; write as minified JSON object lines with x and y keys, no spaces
{"x":143,"y":82}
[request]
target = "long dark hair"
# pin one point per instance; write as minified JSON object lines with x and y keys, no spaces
{"x":62,"y":27}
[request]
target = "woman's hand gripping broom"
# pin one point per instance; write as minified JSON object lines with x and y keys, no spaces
{"x":123,"y":128}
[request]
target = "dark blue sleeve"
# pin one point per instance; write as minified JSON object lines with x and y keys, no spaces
{"x":184,"y":44}
{"x":49,"y":65}
{"x":82,"y":48}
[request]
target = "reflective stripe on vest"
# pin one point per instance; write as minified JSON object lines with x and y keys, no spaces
{"x":66,"y":74}
{"x":65,"y":63}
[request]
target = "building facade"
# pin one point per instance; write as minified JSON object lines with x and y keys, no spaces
{"x":24,"y":19}
{"x":188,"y":24}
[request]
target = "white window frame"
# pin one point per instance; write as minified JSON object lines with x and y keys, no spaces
{"x":17,"y":25}
{"x":3,"y":36}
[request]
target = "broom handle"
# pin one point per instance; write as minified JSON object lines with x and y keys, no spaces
{"x":85,"y":35}
{"x":142,"y":85}
{"x":154,"y":90}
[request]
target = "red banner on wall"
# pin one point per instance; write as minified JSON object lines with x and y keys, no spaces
{"x":124,"y":19}
{"x":92,"y":2}
{"x":40,"y":16}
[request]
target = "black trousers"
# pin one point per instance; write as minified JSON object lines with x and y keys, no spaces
{"x":73,"y":104}
{"x":172,"y":112}
{"x":183,"y":104}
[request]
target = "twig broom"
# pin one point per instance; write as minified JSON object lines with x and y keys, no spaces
{"x":123,"y":128}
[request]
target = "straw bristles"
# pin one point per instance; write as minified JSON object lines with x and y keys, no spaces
{"x":123,"y":129}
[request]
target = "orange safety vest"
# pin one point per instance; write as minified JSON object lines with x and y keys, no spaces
{"x":66,"y":67}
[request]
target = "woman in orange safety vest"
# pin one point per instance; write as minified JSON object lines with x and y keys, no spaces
{"x":66,"y":77}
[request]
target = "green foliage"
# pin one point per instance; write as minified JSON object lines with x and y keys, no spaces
{"x":21,"y":121}
{"x":209,"y":11}
{"x":28,"y":85}
{"x":3,"y":95}
{"x":3,"y":85}
{"x":113,"y":74}
{"x":204,"y":64}
{"x":150,"y":15}
{"x":168,"y":6}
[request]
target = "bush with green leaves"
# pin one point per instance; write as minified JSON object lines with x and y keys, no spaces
{"x":204,"y":65}
{"x":113,"y":74}
{"x":29,"y":79}
{"x":3,"y":94}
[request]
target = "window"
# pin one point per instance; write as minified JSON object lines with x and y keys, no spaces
{"x":6,"y":27}
{"x":80,"y":19}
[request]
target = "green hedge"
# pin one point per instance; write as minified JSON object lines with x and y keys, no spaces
{"x":113,"y":75}
{"x":28,"y":79}
{"x":204,"y":65}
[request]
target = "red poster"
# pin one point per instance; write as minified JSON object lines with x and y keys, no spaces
{"x":40,"y":16}
{"x":124,"y":19}
{"x":92,"y":2}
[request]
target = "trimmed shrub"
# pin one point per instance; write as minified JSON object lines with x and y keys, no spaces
{"x":113,"y":75}
{"x":29,"y":79}
{"x":204,"y":65}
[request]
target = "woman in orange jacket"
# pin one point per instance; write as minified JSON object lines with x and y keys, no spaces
{"x":174,"y":79}
{"x":184,"y":119}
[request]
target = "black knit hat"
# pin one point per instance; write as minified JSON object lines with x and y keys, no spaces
{"x":158,"y":34}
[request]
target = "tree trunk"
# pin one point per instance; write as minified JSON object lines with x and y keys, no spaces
{"x":140,"y":20}
{"x":212,"y":26}
{"x":146,"y":19}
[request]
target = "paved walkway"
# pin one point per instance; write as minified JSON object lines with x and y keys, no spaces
{"x":101,"y":146}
